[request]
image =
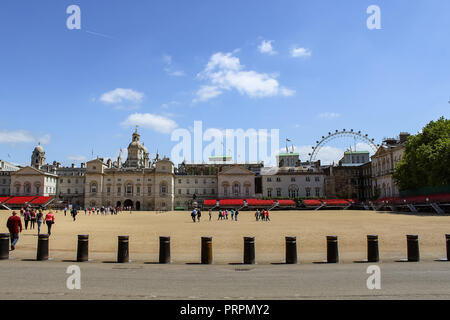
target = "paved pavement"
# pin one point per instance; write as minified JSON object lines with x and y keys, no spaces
{"x":48,"y":280}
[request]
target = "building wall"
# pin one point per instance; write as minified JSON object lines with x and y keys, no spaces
{"x":292,"y":185}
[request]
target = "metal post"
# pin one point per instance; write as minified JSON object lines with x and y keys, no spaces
{"x":413,"y":247}
{"x":207,"y":255}
{"x":291,"y":250}
{"x":164,"y":249}
{"x":372,"y":248}
{"x":122,"y":251}
{"x":332,"y":249}
{"x":42,"y":247}
{"x":4,"y":246}
{"x":83,"y":248}
{"x":249,"y":250}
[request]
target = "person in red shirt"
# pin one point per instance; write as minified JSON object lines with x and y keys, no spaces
{"x":14,"y":226}
{"x":49,"y":220}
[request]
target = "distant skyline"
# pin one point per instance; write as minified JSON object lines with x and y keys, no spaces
{"x":305,"y":68}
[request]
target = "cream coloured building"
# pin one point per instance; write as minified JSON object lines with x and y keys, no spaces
{"x":383,"y":164}
{"x":30,"y":181}
{"x":136,"y":183}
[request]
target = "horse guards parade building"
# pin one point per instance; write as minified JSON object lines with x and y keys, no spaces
{"x":156,"y":184}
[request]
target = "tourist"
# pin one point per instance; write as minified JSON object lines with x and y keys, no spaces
{"x":199,"y":214}
{"x":220,"y":215}
{"x":236,"y":214}
{"x":74,"y":213}
{"x":257,"y":214}
{"x":14,"y":226}
{"x":193,"y":214}
{"x":27,"y":217}
{"x":267,"y":215}
{"x":263,"y":215}
{"x":65,"y":210}
{"x":232,"y":214}
{"x":85,"y":211}
{"x":226,"y":214}
{"x":39,"y":220}
{"x":49,"y":220}
{"x":210,"y":214}
{"x":33,"y":218}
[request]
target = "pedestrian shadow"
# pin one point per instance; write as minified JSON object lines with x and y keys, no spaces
{"x":324,"y":262}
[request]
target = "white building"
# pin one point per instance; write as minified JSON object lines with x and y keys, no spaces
{"x":5,"y":177}
{"x":292,"y":179}
{"x":30,"y":181}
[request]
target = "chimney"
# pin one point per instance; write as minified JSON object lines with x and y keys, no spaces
{"x":82,"y":165}
{"x":73,"y":165}
{"x":403,"y":136}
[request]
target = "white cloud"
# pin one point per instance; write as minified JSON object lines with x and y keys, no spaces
{"x":45,"y":139}
{"x":266,"y":47}
{"x":22,"y":136}
{"x":19,"y":136}
{"x":121,"y":95}
{"x":329,"y":115}
{"x":76,"y":158}
{"x":225,"y":72}
{"x":175,"y":73}
{"x":206,"y":93}
{"x":151,"y":121}
{"x":300,"y":52}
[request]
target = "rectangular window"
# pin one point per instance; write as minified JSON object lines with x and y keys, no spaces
{"x":308,"y":178}
{"x":269,"y":192}
{"x":317,"y":192}
{"x":149,"y":190}
{"x":278,"y":192}
{"x":138,"y":191}
{"x":269,"y":179}
{"x":179,"y":191}
{"x":278,"y":179}
{"x":179,"y":181}
{"x":213,"y":191}
{"x":317,"y":178}
{"x":308,"y":192}
{"x":108,"y":190}
{"x":292,"y":179}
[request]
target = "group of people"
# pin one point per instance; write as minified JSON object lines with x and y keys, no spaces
{"x":101,"y":210}
{"x":196,"y":215}
{"x":223,"y":214}
{"x":262,"y":215}
{"x":14,"y":223}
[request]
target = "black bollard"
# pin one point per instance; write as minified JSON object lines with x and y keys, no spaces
{"x":447,"y":241}
{"x":207,"y":255}
{"x":413,"y":247}
{"x":332,"y":249}
{"x":372,"y":248}
{"x":122,"y":252}
{"x":42,"y":248}
{"x":164,"y":249}
{"x":249,"y":250}
{"x":291,"y":250}
{"x":4,"y":246}
{"x":83,"y":248}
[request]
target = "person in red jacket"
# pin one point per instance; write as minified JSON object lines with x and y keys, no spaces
{"x":14,"y":226}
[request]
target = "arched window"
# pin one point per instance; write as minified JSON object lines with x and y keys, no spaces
{"x":27,"y":188}
{"x":163,"y":187}
{"x":293,"y":191}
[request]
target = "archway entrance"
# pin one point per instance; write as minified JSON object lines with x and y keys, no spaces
{"x":138,"y":205}
{"x":128,"y":203}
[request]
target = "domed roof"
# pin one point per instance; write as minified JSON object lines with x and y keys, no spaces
{"x":39,"y":148}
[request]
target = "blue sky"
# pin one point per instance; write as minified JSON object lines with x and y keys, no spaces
{"x":147,"y":61}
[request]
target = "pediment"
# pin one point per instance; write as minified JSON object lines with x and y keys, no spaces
{"x":236,"y":170}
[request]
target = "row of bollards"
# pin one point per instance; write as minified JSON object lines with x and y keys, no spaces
{"x":207,"y":253}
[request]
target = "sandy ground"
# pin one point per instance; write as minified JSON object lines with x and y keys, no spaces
{"x":310,"y":227}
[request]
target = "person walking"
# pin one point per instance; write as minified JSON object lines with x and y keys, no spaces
{"x":65,"y":211}
{"x":226,"y":214}
{"x":193,"y":214}
{"x":39,"y":220}
{"x":49,"y":220}
{"x":232,"y":214}
{"x":236,"y":214}
{"x":267,"y":215}
{"x":220,"y":215}
{"x":14,"y":225}
{"x":199,"y":214}
{"x":210,"y":214}
{"x":33,"y":219}
{"x":257,"y":214}
{"x":74,"y":213}
{"x":27,"y":217}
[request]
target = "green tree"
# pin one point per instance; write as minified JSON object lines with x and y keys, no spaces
{"x":426,"y":160}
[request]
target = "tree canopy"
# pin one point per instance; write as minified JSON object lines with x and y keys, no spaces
{"x":426,"y":160}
